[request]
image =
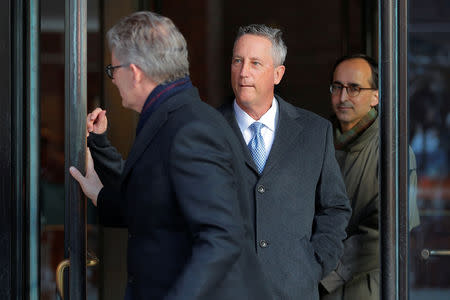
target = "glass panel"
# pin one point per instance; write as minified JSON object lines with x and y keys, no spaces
{"x":52,"y":140}
{"x":429,"y":134}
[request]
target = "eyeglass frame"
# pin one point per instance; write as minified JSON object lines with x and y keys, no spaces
{"x":109,"y":70}
{"x":358,"y":89}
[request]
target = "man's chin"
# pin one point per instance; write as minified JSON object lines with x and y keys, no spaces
{"x":245,"y":97}
{"x":243,"y":101}
{"x":343,"y":117}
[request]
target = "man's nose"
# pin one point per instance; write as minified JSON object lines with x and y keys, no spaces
{"x":244,"y":70}
{"x":343,"y":96}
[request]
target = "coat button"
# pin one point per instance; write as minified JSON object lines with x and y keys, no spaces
{"x":130,"y":279}
{"x":261,"y":189}
{"x":129,"y":235}
{"x":263,"y":244}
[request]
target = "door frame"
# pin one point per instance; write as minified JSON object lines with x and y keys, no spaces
{"x":8,"y":186}
{"x":75,"y":234}
{"x":393,"y":162}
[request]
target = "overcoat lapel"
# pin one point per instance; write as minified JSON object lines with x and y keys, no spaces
{"x":153,"y":124}
{"x":286,"y":134}
{"x":228,"y":113}
{"x":151,"y":127}
{"x":288,"y":129}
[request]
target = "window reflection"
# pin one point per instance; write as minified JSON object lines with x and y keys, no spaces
{"x":429,"y":129}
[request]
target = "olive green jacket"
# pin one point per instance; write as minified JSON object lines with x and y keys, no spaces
{"x":359,"y":166}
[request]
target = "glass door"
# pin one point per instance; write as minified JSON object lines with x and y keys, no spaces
{"x":68,"y":226}
{"x":429,"y":136}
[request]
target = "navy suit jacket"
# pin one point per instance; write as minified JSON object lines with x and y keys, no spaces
{"x":182,"y":196}
{"x":300,"y":204}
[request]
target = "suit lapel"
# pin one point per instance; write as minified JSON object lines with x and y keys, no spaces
{"x":228,"y":113}
{"x":153,"y":124}
{"x":286,"y":134}
{"x":144,"y":138}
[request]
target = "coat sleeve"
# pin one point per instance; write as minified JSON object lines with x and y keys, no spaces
{"x":108,"y":162}
{"x":110,"y":207}
{"x":332,"y":210}
{"x":204,"y":181}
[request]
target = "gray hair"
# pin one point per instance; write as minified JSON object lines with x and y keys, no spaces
{"x":274,"y":35}
{"x":153,"y":43}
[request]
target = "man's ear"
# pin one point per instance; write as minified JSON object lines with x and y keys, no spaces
{"x":374,"y":102}
{"x":278,"y":74}
{"x":138,"y":75}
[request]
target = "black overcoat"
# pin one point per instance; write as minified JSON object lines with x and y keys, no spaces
{"x":182,"y":195}
{"x":300,"y":202}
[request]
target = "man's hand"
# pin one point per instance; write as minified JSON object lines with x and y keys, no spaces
{"x":96,"y":121}
{"x":91,"y":184}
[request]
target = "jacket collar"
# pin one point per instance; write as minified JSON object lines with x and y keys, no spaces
{"x":288,"y":129}
{"x":367,"y":135}
{"x":153,"y":124}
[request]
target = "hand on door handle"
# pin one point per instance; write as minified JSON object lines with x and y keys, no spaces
{"x":91,"y":183}
{"x":91,"y":261}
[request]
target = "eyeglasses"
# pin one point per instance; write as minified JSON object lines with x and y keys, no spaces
{"x":352,"y":90}
{"x":109,"y":70}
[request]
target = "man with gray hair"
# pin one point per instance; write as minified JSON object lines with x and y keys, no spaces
{"x":298,"y":196}
{"x":181,"y":193}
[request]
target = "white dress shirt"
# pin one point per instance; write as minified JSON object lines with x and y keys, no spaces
{"x":269,"y":119}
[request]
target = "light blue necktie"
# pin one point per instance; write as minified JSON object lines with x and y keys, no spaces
{"x":256,"y":146}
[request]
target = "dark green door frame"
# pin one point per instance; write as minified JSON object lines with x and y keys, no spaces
{"x":19,"y":154}
{"x":17,"y":146}
{"x":75,"y":144}
{"x":32,"y":149}
{"x":7,"y":210}
{"x":393,"y":149}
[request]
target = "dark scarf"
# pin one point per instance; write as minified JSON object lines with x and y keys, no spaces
{"x":341,"y":140}
{"x":157,"y":97}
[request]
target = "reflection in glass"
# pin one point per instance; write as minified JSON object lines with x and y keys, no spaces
{"x":429,"y":129}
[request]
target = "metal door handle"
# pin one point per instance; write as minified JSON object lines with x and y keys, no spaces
{"x":91,"y":261}
{"x":426,"y":253}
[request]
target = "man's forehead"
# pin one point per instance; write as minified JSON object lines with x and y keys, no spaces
{"x":355,"y":70}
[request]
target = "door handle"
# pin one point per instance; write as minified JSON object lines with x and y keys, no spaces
{"x":91,"y":260}
{"x":426,"y":253}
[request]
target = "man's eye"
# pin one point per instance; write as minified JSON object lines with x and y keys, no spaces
{"x":256,"y":63}
{"x":236,"y":61}
{"x":354,"y":89}
{"x":337,"y":87}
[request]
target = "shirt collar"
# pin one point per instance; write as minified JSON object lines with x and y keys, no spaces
{"x":268,"y":119}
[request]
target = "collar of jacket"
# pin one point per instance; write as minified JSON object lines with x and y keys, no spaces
{"x":342,"y":140}
{"x":153,"y":124}
{"x":288,"y":128}
{"x":158,"y":95}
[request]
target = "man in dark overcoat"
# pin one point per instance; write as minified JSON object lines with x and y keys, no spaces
{"x":300,"y":205}
{"x":181,"y":193}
